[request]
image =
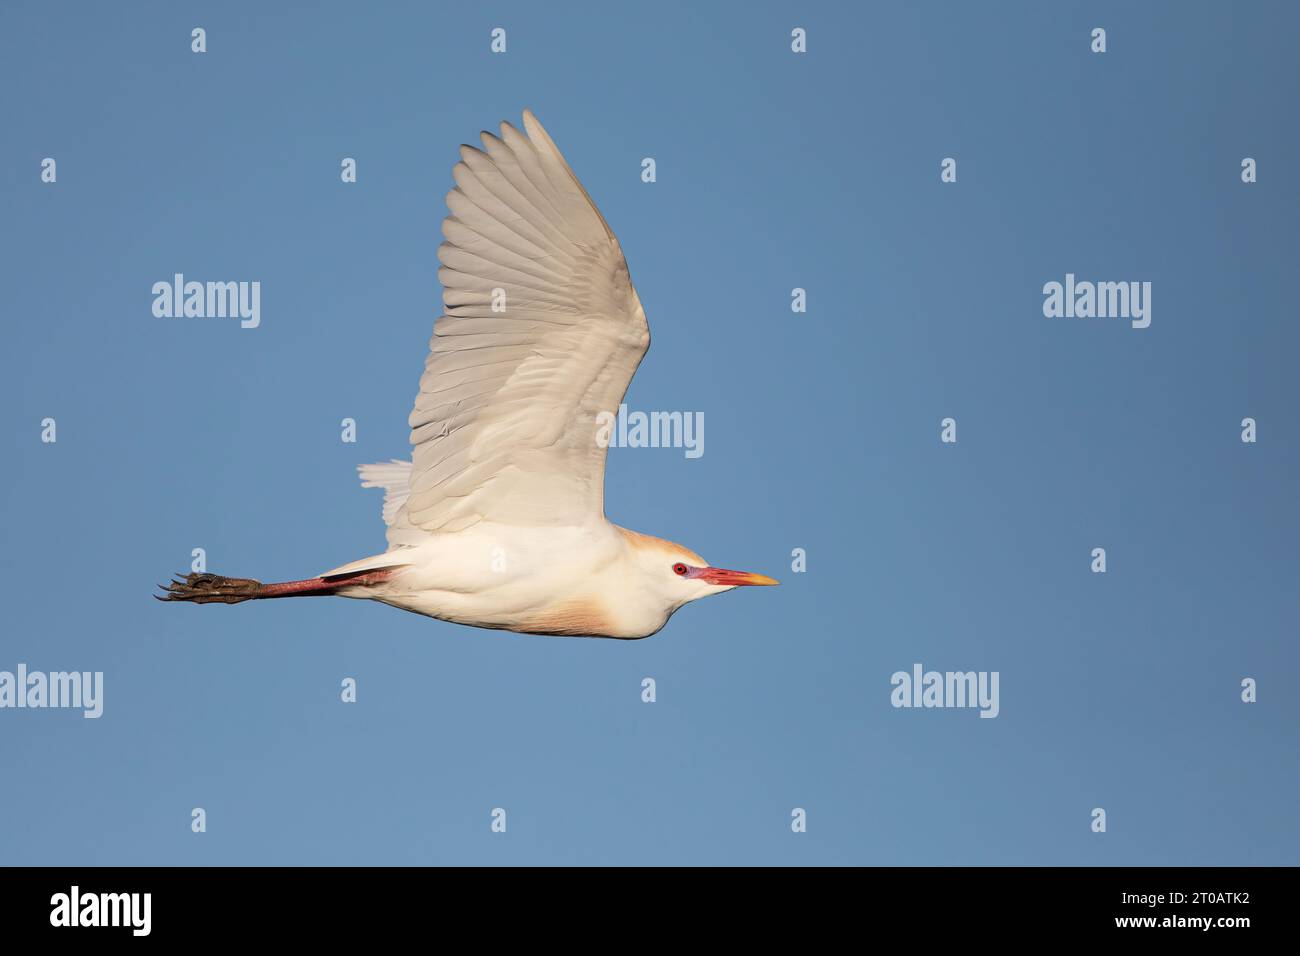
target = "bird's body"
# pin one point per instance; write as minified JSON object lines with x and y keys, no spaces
{"x":498,"y":520}
{"x":562,"y":581}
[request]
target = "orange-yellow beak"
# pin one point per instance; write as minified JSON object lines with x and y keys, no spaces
{"x":725,"y":578}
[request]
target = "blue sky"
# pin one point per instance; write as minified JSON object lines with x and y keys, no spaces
{"x":774,"y":171}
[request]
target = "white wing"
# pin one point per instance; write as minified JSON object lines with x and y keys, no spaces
{"x":542,"y":332}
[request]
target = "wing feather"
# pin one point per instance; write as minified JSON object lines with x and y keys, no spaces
{"x":505,"y":425}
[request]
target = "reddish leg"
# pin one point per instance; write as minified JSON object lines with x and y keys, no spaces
{"x":215,"y":589}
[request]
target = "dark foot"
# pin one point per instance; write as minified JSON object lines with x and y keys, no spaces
{"x":211,"y":589}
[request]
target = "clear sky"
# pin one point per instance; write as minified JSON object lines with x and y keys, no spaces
{"x":775,"y":170}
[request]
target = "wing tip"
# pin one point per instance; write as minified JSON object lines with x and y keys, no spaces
{"x":536,"y":131}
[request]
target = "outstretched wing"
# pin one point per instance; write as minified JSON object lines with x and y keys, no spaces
{"x":542,"y":332}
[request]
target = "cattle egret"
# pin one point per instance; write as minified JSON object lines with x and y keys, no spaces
{"x":498,"y":520}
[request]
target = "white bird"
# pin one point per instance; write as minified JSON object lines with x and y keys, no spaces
{"x":498,"y":520}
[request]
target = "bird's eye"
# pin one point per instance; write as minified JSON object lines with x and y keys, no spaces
{"x":679,"y":569}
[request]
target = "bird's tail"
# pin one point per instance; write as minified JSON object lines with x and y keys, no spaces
{"x":395,"y":478}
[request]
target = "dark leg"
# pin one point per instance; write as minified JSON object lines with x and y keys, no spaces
{"x":215,"y":589}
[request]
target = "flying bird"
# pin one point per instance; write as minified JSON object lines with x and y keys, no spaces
{"x":498,"y":520}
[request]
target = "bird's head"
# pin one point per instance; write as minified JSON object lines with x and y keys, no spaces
{"x":679,"y":575}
